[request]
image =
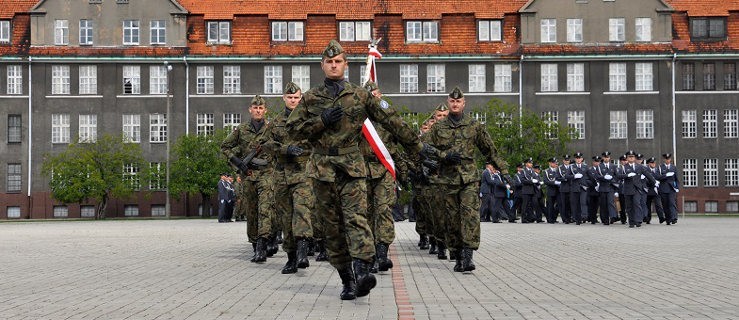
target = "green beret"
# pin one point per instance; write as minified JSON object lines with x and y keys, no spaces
{"x":442,"y":107}
{"x":456,"y":93}
{"x":332,"y":49}
{"x":370,"y":86}
{"x":258,"y":101}
{"x":291,"y":88}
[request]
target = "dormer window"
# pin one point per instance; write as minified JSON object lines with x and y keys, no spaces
{"x":5,"y":31}
{"x":488,"y":30}
{"x":287,"y":31}
{"x":422,"y":31}
{"x":219,"y":32}
{"x":708,"y":29}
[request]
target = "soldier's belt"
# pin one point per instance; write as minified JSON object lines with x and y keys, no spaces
{"x":334,"y":151}
{"x":299,"y":159}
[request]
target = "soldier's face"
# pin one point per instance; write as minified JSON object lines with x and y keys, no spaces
{"x":552,"y":164}
{"x":630,"y":159}
{"x":257,"y":112}
{"x":456,"y":106}
{"x":377,"y":93}
{"x":668,"y":160}
{"x":424,"y":128}
{"x":578,"y":160}
{"x":652,"y":164}
{"x":438,"y":114}
{"x":292,"y":100}
{"x":334,"y":67}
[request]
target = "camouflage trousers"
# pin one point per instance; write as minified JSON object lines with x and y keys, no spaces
{"x":341,"y":207}
{"x":437,"y":221}
{"x":380,"y":200}
{"x":293,"y":205}
{"x":257,"y":203}
{"x":419,"y":209}
{"x":462,"y":207}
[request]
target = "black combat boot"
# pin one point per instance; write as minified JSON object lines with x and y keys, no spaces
{"x":302,"y":254}
{"x":467,"y":263}
{"x":458,"y":265}
{"x":290,"y":266}
{"x":279,"y":238}
{"x":322,"y":253}
{"x":432,"y":245}
{"x":375,"y":266}
{"x":440,"y":250}
{"x":383,"y":261}
{"x":349,"y":291}
{"x":424,"y":243}
{"x":261,"y":250}
{"x":272,"y":246}
{"x":311,"y":247}
{"x":365,"y":280}
{"x":454,"y":254}
{"x":254,"y":256}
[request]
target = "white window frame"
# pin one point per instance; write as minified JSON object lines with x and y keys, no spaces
{"x":690,"y":173}
{"x":489,"y":30}
{"x":645,"y":124}
{"x":548,"y":30}
{"x":5,"y":31}
{"x":60,"y":128}
{"x":710,"y":172}
{"x":618,"y":124}
{"x":88,"y":130}
{"x":131,"y":32}
{"x":157,"y":174}
{"x":503,"y":78}
{"x":131,"y":210}
{"x":88,"y":75}
{"x":14,"y":180}
{"x":408,"y":78}
{"x":131,"y":176}
{"x":617,"y":29}
{"x":476,"y":77}
{"x":576,"y":77}
{"x":15,"y":128}
{"x":13,"y":212}
{"x":205,"y":124}
{"x":219,"y":32}
{"x":422,"y":31}
{"x":550,"y":118}
{"x":132,"y":128}
{"x":576,"y":121}
{"x":710,"y":123}
{"x":157,"y":79}
{"x":355,"y":31}
{"x":87,"y":211}
{"x":205,"y":80}
{"x":60,"y":82}
{"x":158,"y":210}
{"x":158,"y":32}
{"x":132,"y":74}
{"x":273,"y":79}
{"x":731,"y":123}
{"x":158,"y":127}
{"x":549,"y":77}
{"x":301,"y":76}
{"x":435,"y":78}
{"x":574,"y":30}
{"x":731,"y":172}
{"x":643,"y":28}
{"x":15,"y":79}
{"x":61,"y":32}
{"x":231,"y":79}
{"x":231,"y":121}
{"x":644,"y":76}
{"x":689,"y":124}
{"x":617,"y":76}
{"x":86,"y":32}
{"x":288,"y":31}
{"x":61,"y":211}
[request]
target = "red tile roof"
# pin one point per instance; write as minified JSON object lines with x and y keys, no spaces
{"x":705,"y":8}
{"x":555,"y":49}
{"x":9,"y":8}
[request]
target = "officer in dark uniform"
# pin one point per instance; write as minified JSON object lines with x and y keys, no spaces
{"x":500,"y":190}
{"x":653,"y":195}
{"x":631,"y":175}
{"x":593,"y":191}
{"x":517,"y":199}
{"x":621,"y":199}
{"x":538,"y":195}
{"x":579,"y":195}
{"x":224,"y":198}
{"x":528,"y":185}
{"x":564,"y":190}
{"x":608,"y":186}
{"x":486,"y":194}
{"x":552,"y":179}
{"x":668,"y":188}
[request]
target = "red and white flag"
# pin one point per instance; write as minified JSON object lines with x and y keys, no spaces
{"x":368,"y":130}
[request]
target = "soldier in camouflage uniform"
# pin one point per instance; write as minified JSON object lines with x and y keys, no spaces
{"x":456,"y":137}
{"x":293,"y":191}
{"x":330,"y":116}
{"x":418,"y":199}
{"x":437,"y":212}
{"x":256,"y":189}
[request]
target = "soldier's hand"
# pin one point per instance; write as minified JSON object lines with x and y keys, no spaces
{"x":431,"y":164}
{"x":294,"y":151}
{"x":331,"y":116}
{"x":428,"y":151}
{"x":256,"y":162}
{"x":453,"y":157}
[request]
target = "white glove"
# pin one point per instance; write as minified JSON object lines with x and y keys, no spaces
{"x":541,"y":183}
{"x":656,"y":184}
{"x":535,"y":181}
{"x":578,"y":175}
{"x":556,"y":183}
{"x":221,"y":200}
{"x":631,"y":174}
{"x":480,"y":194}
{"x":508,"y":186}
{"x":608,"y":177}
{"x":670,"y":174}
{"x":677,"y":190}
{"x":615,"y":194}
{"x":643,"y":177}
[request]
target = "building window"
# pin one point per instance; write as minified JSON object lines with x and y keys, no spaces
{"x":4,"y":31}
{"x":15,"y":128}
{"x":301,"y":76}
{"x":708,"y":28}
{"x":88,"y":128}
{"x":157,"y":79}
{"x":489,"y":30}
{"x":85,"y":32}
{"x":408,"y":78}
{"x":729,"y":76}
{"x":422,"y":31}
{"x":87,"y":211}
{"x":131,"y":176}
{"x":548,"y":77}
{"x":131,"y":210}
{"x":711,"y":206}
{"x":644,"y":76}
{"x":231,"y":79}
{"x":14,"y":212}
{"x":205,"y":80}
{"x":617,"y":76}
{"x":690,"y":206}
{"x":644,"y":124}
{"x":61,"y":32}
{"x":287,"y":31}
{"x":574,"y":30}
{"x":14,"y":177}
{"x":503,"y":78}
{"x":157,"y":127}
{"x":15,"y":79}
{"x":643,"y":29}
{"x":130,"y":32}
{"x":158,"y":29}
{"x":617,"y":29}
{"x":548,"y":30}
{"x":61,"y":212}
{"x":731,"y":172}
{"x":477,"y":78}
{"x":576,"y":121}
{"x":690,"y":123}
{"x":219,"y":32}
{"x":550,"y":118}
{"x":710,"y":122}
{"x":355,"y":31}
{"x":575,"y":77}
{"x":731,"y":207}
{"x":205,"y":124}
{"x":158,"y":210}
{"x":158,"y":176}
{"x":690,"y":172}
{"x":88,"y":79}
{"x":709,"y":76}
{"x":480,"y":117}
{"x":60,"y":79}
{"x":618,"y":125}
{"x":688,"y":76}
{"x":131,"y":79}
{"x":731,"y":123}
{"x":60,"y":128}
{"x":710,"y":172}
{"x":132,"y":128}
{"x":435,"y":78}
{"x":272,"y":79}
{"x":231,"y":121}
{"x":346,"y":74}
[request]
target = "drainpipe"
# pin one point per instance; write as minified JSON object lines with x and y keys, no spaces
{"x":30,"y":131}
{"x":187,"y":96}
{"x":520,"y":96}
{"x":674,"y":110}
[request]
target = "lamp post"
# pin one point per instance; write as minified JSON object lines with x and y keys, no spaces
{"x":167,"y":206}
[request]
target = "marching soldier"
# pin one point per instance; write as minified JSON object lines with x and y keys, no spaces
{"x":579,"y":195}
{"x":631,"y":175}
{"x":551,"y":179}
{"x":565,"y":210}
{"x":653,"y":195}
{"x":608,"y":187}
{"x":668,"y":188}
{"x":594,"y":192}
{"x":538,"y":195}
{"x":529,"y":205}
{"x":621,"y":198}
{"x":499,"y":191}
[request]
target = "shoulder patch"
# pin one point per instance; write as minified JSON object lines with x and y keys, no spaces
{"x":384,"y":104}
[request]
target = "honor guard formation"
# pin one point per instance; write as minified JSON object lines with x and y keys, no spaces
{"x":311,"y":181}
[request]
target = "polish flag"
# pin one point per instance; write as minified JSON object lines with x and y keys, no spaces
{"x":368,"y":130}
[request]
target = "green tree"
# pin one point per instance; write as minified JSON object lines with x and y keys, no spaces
{"x":197,"y":166}
{"x":95,"y":170}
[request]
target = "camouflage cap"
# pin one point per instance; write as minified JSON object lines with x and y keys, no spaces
{"x":332,"y":49}
{"x":442,"y":107}
{"x":371,"y":86}
{"x":258,"y":101}
{"x":456,"y":93}
{"x":291,"y":88}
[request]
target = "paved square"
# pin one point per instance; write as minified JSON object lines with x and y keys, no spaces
{"x":199,"y":269}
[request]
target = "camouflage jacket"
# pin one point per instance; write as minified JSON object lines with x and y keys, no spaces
{"x":336,"y":147}
{"x":375,"y":168}
{"x":275,"y":140}
{"x":463,"y":137}
{"x":240,"y":142}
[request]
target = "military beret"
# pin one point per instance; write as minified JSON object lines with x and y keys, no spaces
{"x":666,"y":155}
{"x":536,"y":166}
{"x":529,"y":160}
{"x":332,"y":49}
{"x":258,"y":101}
{"x":578,"y":155}
{"x":606,"y":154}
{"x":566,"y":157}
{"x":442,"y":107}
{"x":622,"y":158}
{"x":630,"y":153}
{"x":291,"y":88}
{"x":370,"y":86}
{"x":650,"y":160}
{"x":456,"y":93}
{"x":639,"y":156}
{"x":597,"y":158}
{"x":553,"y":159}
